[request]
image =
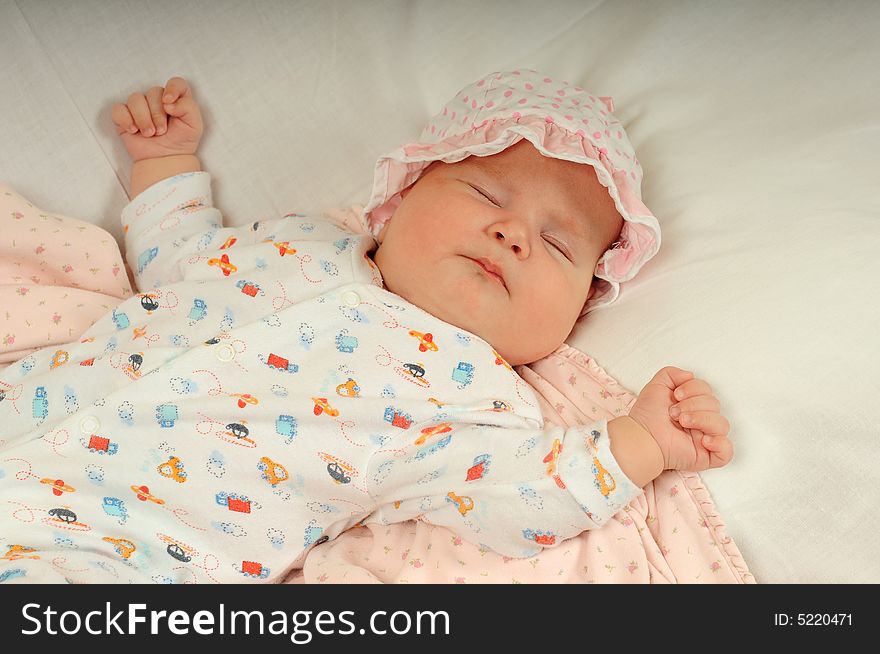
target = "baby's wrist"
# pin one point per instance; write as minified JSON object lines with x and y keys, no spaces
{"x":146,"y":172}
{"x":635,"y":450}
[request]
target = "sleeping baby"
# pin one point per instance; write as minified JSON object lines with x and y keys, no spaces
{"x":275,"y":384}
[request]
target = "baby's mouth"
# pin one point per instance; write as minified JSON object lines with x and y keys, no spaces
{"x":492,"y":275}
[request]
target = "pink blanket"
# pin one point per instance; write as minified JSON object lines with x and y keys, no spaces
{"x":58,"y":275}
{"x":672,"y":533}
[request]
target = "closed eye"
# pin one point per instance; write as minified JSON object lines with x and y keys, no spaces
{"x":559,"y":247}
{"x":484,"y":194}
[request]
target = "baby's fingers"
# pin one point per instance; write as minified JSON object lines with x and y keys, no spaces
{"x":698,"y":403}
{"x":140,"y":112}
{"x":708,"y":422}
{"x":175,"y":88}
{"x":122,"y":118}
{"x":691,"y":388}
{"x":157,"y":113}
{"x":720,"y":449}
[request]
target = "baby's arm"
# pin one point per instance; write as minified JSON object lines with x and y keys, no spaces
{"x":146,"y":172}
{"x":635,"y":450}
{"x":501,"y":481}
{"x":161,"y":130}
{"x":515,"y":488}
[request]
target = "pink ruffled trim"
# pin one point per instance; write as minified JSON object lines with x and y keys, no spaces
{"x":640,"y":236}
{"x":703,"y":501}
{"x":540,"y":375}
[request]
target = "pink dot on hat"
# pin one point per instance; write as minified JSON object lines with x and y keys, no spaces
{"x":597,"y":135}
{"x":491,"y":104}
{"x":547,"y":80}
{"x":529,"y":87}
{"x":522,"y":101}
{"x":508,"y":93}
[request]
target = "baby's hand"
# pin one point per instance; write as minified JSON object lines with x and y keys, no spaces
{"x":684,"y":417}
{"x":163,"y":122}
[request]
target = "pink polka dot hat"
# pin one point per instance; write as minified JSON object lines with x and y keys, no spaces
{"x":561,"y":121}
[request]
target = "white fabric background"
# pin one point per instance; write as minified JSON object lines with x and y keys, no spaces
{"x":756,"y":123}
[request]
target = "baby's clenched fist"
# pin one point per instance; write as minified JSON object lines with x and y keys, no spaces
{"x":684,"y":417}
{"x":162,"y":122}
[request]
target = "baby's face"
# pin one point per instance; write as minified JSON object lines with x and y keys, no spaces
{"x":542,"y":223}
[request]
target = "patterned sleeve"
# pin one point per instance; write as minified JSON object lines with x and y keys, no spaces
{"x":515,"y":491}
{"x":170,"y":221}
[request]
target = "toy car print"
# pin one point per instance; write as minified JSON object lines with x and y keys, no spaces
{"x":233,"y":502}
{"x":122,"y":546}
{"x":166,"y":415}
{"x":280,"y":363}
{"x":346,"y":343}
{"x":115,"y":507}
{"x":272,"y":472}
{"x":462,"y":502}
{"x":121,"y":320}
{"x":337,"y":473}
{"x":415,"y":370}
{"x":199,"y":310}
{"x":286,"y":426}
{"x":398,"y":418}
{"x":238,"y":430}
{"x":172,"y":469}
{"x":64,"y":515}
{"x":463,"y":373}
{"x":479,"y":469}
{"x":540,"y":537}
{"x":253,"y":569}
{"x":348,"y":389}
{"x":249,"y":288}
{"x":40,"y":403}
{"x":176,"y":551}
{"x":101,"y":445}
{"x":148,"y":303}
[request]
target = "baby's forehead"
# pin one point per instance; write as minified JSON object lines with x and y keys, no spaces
{"x":571,"y":188}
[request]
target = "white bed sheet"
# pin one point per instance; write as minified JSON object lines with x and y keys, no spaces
{"x":756,"y":124}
